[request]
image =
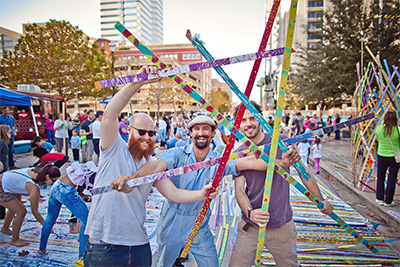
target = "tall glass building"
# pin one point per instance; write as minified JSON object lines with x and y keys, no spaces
{"x":144,"y":18}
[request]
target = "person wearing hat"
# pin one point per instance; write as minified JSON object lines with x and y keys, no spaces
{"x":176,"y":220}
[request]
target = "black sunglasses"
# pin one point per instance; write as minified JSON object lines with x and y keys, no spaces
{"x":142,"y":132}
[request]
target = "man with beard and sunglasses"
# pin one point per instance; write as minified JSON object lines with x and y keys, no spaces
{"x":115,"y":225}
{"x":280,"y":236}
{"x":176,"y":220}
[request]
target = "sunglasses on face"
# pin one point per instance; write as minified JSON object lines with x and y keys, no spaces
{"x":142,"y":132}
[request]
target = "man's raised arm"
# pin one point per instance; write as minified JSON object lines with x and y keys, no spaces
{"x":109,"y":124}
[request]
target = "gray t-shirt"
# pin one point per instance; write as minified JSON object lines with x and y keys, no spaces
{"x":115,"y":217}
{"x":279,"y":210}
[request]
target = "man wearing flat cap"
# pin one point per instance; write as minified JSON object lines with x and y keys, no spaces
{"x":177,"y":220}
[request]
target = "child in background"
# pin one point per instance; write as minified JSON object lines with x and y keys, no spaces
{"x":316,"y":153}
{"x":41,"y":143}
{"x":75,"y":144}
{"x":303,"y":147}
{"x":180,"y":141}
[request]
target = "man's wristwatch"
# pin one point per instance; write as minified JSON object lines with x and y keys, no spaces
{"x":249,"y":212}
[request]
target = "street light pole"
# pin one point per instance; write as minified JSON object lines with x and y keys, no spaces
{"x":112,"y":49}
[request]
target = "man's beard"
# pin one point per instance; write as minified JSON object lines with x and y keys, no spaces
{"x":256,"y":131}
{"x":137,"y":151}
{"x":204,"y":145}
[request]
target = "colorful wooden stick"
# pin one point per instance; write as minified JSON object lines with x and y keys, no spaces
{"x":188,"y":68}
{"x":241,"y":154}
{"x":204,"y":103}
{"x":277,"y":126}
{"x":320,"y":205}
{"x":238,"y":118}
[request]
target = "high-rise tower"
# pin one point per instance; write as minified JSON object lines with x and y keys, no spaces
{"x":144,"y":18}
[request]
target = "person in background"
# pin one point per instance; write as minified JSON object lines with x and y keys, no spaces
{"x":82,"y":118}
{"x":304,"y":147}
{"x":63,"y":192}
{"x":23,"y":181}
{"x":300,"y":119}
{"x":69,"y":120}
{"x":41,"y":143}
{"x":307,"y":122}
{"x":61,"y":131}
{"x":123,"y":128}
{"x":7,"y":119}
{"x":317,"y":153}
{"x":5,"y":135}
{"x":75,"y":144}
{"x":314,"y":119}
{"x":86,"y":131}
{"x":179,"y":141}
{"x":329,"y":123}
{"x":96,"y":133}
{"x":388,"y":137}
{"x":337,"y":121}
{"x":162,"y":132}
{"x":56,"y":158}
{"x":49,"y":124}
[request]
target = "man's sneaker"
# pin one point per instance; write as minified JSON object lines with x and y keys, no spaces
{"x":380,"y":202}
{"x":388,"y":205}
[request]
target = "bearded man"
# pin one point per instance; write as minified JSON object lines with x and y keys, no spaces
{"x":177,"y":219}
{"x":115,"y":226}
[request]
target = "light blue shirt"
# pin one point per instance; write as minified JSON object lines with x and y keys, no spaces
{"x":182,"y":156}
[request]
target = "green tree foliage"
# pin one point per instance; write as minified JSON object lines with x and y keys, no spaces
{"x":58,"y":58}
{"x":220,"y":100}
{"x":327,"y":75}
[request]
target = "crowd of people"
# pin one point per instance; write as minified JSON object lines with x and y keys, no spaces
{"x":112,"y":232}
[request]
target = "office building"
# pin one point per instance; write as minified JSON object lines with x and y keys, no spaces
{"x":143,"y":18}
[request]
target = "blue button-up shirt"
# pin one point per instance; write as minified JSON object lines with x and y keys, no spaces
{"x":9,"y":120}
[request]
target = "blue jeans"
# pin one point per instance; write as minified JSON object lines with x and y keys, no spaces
{"x":65,"y":194}
{"x":50,"y":136}
{"x":163,"y":134}
{"x":114,"y":255}
{"x":173,"y":230}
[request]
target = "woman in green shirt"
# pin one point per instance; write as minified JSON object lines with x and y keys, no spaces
{"x":389,"y":129}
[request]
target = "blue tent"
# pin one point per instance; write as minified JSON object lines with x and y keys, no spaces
{"x":12,"y":98}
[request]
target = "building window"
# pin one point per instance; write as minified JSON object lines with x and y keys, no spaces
{"x":188,"y":56}
{"x":315,"y":14}
{"x":184,"y":56}
{"x":315,"y":3}
{"x":197,"y":56}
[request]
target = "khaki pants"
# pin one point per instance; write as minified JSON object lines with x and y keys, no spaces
{"x":281,"y":242}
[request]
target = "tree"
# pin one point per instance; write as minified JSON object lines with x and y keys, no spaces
{"x":328,"y":74}
{"x":160,"y":93}
{"x":58,"y":58}
{"x":220,"y":100}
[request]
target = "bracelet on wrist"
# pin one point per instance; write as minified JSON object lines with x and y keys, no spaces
{"x":249,"y":212}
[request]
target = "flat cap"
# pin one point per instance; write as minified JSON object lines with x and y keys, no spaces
{"x":201,"y":119}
